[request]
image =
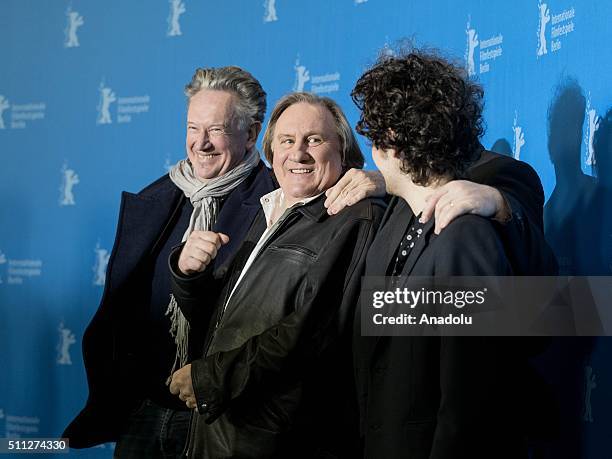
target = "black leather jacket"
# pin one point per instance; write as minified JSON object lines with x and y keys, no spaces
{"x":274,"y":379}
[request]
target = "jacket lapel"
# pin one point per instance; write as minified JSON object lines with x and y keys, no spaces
{"x":413,"y":258}
{"x":239,"y":210}
{"x":141,"y":223}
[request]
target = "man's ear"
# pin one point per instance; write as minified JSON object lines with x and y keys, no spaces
{"x":254,"y":131}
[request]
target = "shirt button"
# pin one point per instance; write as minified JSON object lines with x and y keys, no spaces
{"x":204,"y":406}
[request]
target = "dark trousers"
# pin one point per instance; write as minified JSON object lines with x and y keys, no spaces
{"x":154,"y":432}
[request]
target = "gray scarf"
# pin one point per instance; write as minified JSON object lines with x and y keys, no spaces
{"x":205,"y":196}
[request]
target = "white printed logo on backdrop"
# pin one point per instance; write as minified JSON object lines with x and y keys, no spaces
{"x":4,"y":105}
{"x":126,"y":107}
{"x":107,"y":97}
{"x":2,"y":262}
{"x":359,"y":2}
{"x":489,"y":50}
{"x":302,"y":76}
{"x":562,"y":24}
{"x":18,"y":270}
{"x":270,"y":11}
{"x":472,"y":43}
{"x":66,"y":339}
{"x":593,"y":122}
{"x":69,"y":179}
{"x":177,"y":7}
{"x":319,"y":84}
{"x":589,"y":384}
{"x":519,"y":138}
{"x":544,"y":20}
{"x":74,"y":21}
{"x":20,"y":113}
{"x":21,"y":426}
{"x":99,"y":268}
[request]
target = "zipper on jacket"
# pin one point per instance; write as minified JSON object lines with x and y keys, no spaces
{"x":191,"y":431}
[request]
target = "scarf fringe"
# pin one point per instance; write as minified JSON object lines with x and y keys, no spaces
{"x":179,"y":329}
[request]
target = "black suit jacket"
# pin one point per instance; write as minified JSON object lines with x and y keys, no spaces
{"x":114,"y":342}
{"x":451,"y":397}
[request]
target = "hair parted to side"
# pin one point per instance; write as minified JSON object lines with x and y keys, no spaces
{"x":426,"y":108}
{"x":352,"y":157}
{"x":250,"y":96}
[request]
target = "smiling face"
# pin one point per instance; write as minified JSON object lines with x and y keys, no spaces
{"x":214,"y":143}
{"x":307,"y":158}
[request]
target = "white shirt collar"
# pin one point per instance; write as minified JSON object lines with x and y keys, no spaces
{"x":274,"y":201}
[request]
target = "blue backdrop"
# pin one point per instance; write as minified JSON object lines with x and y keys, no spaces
{"x":91,"y":104}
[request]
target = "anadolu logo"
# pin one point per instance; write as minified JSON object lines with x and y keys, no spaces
{"x":73,"y":21}
{"x":177,"y":7}
{"x":270,"y":11}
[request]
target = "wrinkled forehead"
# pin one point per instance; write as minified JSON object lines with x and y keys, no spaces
{"x":305,"y":117}
{"x":212,"y":106}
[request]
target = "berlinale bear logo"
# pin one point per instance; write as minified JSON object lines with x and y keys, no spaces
{"x":177,"y":7}
{"x":544,"y":20}
{"x":66,"y":339}
{"x":270,"y":11}
{"x":75,"y":20}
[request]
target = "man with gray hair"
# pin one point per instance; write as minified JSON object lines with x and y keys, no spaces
{"x":138,"y":337}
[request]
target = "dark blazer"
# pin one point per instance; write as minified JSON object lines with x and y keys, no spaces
{"x":452,"y":397}
{"x":275,"y":378}
{"x":114,"y":342}
{"x":523,"y":236}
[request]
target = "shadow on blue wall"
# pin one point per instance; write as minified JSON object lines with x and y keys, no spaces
{"x":502,"y":146}
{"x":578,"y":226}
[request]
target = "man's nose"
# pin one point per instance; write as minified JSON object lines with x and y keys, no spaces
{"x":299,"y":152}
{"x":203,"y":143}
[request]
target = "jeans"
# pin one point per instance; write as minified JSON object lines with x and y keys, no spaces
{"x":154,"y":432}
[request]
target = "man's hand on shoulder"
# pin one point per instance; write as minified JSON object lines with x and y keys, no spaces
{"x":460,"y":197}
{"x":354,"y":186}
{"x":200,"y":249}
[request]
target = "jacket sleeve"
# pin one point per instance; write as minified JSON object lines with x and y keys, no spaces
{"x":289,"y":349}
{"x":523,"y":234}
{"x":190,"y":290}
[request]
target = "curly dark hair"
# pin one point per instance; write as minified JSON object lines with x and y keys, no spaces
{"x":426,"y":108}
